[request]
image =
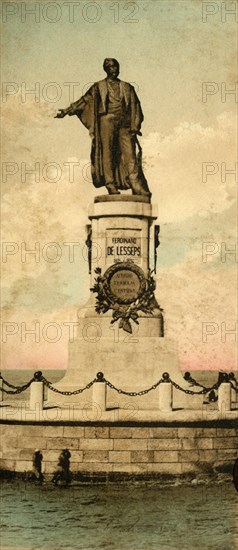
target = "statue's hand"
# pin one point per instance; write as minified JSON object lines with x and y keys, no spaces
{"x":135,"y":133}
{"x":62,"y":113}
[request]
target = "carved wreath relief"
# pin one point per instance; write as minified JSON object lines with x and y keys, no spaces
{"x":125,"y":290}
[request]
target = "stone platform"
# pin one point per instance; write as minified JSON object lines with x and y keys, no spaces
{"x":20,"y":411}
{"x":113,"y":451}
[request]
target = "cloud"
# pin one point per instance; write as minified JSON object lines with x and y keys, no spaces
{"x":37,"y":214}
{"x":178,"y":168}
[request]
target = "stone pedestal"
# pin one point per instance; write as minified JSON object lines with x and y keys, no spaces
{"x":120,"y":230}
{"x":132,"y":361}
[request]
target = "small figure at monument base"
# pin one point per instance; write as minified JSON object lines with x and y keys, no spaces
{"x":36,"y":474}
{"x":63,"y":473}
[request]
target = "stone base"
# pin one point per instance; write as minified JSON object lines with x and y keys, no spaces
{"x":131,"y":362}
{"x":130,"y":366}
{"x":138,"y":451}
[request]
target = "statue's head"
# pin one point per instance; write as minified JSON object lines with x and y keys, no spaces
{"x":111,"y":67}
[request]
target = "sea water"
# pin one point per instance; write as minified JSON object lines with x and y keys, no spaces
{"x":118,"y":517}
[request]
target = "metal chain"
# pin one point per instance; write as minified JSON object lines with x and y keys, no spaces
{"x":193,"y":382}
{"x":143,"y":392}
{"x":75,"y":392}
{"x":9,"y":385}
{"x":191,"y":392}
{"x":19,"y":389}
{"x":133,"y":393}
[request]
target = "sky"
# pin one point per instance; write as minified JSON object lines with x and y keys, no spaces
{"x":181,"y":58}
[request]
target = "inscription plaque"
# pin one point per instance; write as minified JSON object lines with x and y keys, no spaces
{"x":124,"y":282}
{"x":123,"y":244}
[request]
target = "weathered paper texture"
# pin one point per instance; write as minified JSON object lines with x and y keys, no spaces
{"x":180,"y":57}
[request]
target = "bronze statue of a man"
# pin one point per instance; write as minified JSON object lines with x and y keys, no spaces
{"x":111,"y":112}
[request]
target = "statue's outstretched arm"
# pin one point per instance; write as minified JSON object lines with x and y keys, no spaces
{"x":77,"y":106}
{"x":63,"y":112}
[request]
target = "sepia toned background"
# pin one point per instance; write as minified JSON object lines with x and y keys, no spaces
{"x":180,"y":56}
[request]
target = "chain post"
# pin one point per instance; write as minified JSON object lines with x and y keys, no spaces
{"x":166,"y":394}
{"x":224,"y":397}
{"x":37,"y":391}
{"x":99,"y":397}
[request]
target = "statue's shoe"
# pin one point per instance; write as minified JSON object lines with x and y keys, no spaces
{"x":112,"y":190}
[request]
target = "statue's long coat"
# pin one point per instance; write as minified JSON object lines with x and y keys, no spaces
{"x":89,"y":108}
